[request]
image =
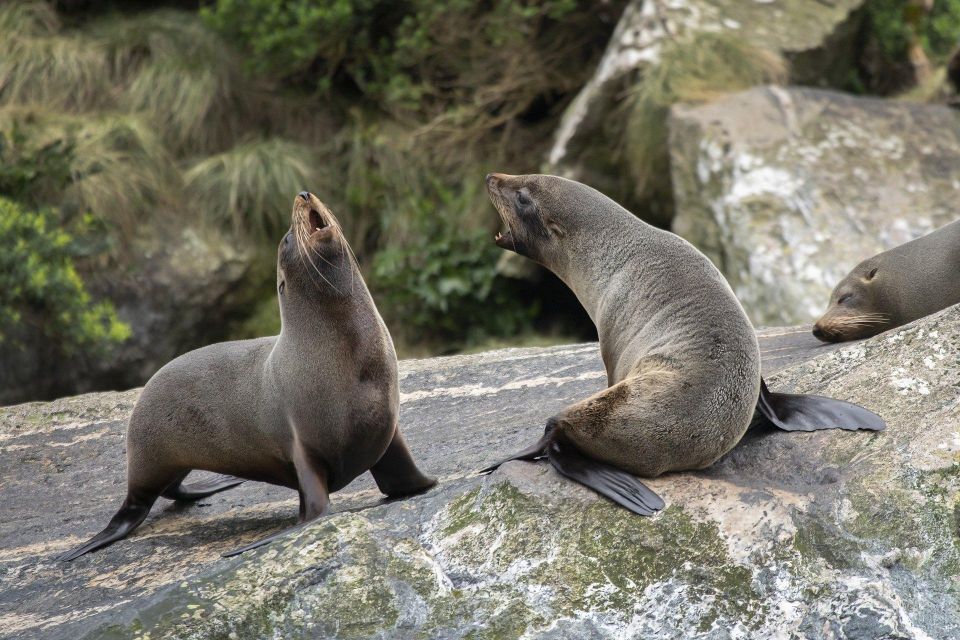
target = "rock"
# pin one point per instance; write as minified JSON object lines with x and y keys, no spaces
{"x":817,"y":39}
{"x":786,"y":190}
{"x":827,"y":534}
{"x":179,"y":295}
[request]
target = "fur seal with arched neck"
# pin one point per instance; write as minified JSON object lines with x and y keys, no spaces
{"x":309,"y":409}
{"x":895,"y":287}
{"x":682,"y":359}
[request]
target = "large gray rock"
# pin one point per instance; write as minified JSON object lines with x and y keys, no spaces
{"x":816,"y":38}
{"x":787,"y":189}
{"x":831,"y":534}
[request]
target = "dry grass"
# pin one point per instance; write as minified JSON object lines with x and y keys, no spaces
{"x":250,"y":187}
{"x":180,"y":75}
{"x":40,"y":66}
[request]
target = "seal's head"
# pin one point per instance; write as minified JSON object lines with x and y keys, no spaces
{"x":852,"y":313}
{"x":314,"y":259}
{"x":543,"y":214}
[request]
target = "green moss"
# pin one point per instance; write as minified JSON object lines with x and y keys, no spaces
{"x":815,"y":542}
{"x":598,"y":558}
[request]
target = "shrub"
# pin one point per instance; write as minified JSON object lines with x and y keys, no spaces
{"x":895,"y":24}
{"x":439,"y":279}
{"x":41,"y":293}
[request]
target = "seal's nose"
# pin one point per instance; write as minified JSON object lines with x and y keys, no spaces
{"x":493,"y":179}
{"x":305,"y":195}
{"x":818,"y":333}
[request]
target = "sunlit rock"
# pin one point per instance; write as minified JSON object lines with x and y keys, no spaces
{"x":786,"y":190}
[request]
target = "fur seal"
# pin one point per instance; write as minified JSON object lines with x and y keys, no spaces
{"x":309,"y":409}
{"x":895,"y":287}
{"x":681,"y":356}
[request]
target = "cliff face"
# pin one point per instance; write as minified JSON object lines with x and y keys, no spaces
{"x":828,"y":534}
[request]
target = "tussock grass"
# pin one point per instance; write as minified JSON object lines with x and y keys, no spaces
{"x":179,"y":74}
{"x":119,"y":168}
{"x":40,"y":66}
{"x":698,"y":69}
{"x":250,"y":187}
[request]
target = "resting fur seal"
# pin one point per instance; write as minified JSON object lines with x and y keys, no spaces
{"x":310,"y":409}
{"x":895,"y":287}
{"x":682,"y":360}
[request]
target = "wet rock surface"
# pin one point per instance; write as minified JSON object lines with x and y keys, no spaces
{"x":828,"y":534}
{"x":787,"y":189}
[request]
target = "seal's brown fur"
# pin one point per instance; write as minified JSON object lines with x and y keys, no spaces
{"x":895,"y":287}
{"x":682,"y":360}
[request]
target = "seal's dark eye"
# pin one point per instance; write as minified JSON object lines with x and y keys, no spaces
{"x":844,"y":298}
{"x":523,"y":200}
{"x":286,"y":238}
{"x":872,"y":273}
{"x":283,"y":285}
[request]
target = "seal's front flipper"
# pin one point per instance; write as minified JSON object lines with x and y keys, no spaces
{"x":792,"y":412}
{"x":623,"y":488}
{"x":533,"y":452}
{"x":202,"y":489}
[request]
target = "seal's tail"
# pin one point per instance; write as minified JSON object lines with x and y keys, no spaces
{"x":811,"y":413}
{"x":619,"y":486}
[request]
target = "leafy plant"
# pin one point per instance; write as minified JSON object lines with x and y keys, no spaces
{"x":41,"y":292}
{"x":896,"y":23}
{"x":441,"y":279}
{"x":32,"y":173}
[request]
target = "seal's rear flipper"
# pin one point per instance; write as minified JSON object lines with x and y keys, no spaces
{"x":123,"y":522}
{"x":533,"y":452}
{"x":623,"y":488}
{"x":201,"y":489}
{"x":792,"y":412}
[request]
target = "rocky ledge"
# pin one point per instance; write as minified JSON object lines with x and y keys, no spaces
{"x":829,"y":534}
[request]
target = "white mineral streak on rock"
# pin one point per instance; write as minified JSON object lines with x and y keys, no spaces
{"x":480,"y":389}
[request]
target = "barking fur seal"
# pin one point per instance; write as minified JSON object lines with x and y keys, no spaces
{"x":682,"y":360}
{"x":309,"y":409}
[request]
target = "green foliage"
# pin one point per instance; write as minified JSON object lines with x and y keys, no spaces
{"x":251,"y":187}
{"x":695,"y":70}
{"x":469,"y":67}
{"x":894,"y":24}
{"x":41,"y":292}
{"x":440,"y":279}
{"x":27,"y":171}
{"x":112,"y":165}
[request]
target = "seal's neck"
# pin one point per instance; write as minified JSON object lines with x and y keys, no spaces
{"x":594,"y":259}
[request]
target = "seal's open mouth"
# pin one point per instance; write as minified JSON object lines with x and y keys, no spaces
{"x":317,"y":221}
{"x":503,"y":239}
